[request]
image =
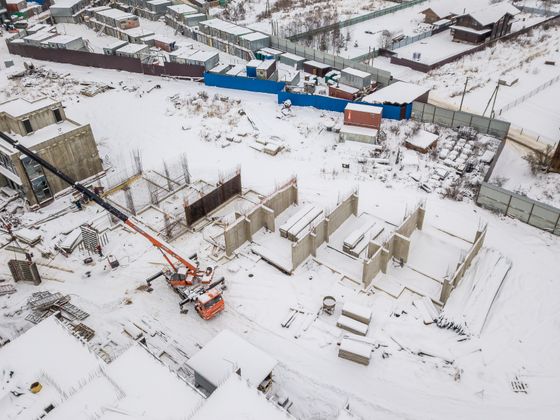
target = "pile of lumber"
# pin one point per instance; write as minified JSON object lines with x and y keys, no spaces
{"x":355,"y":318}
{"x":351,"y":325}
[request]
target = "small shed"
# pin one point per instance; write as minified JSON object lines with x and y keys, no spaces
{"x":266,"y":69}
{"x":360,"y":115}
{"x":343,"y":92}
{"x":14,"y":6}
{"x":133,"y":50}
{"x":207,"y":59}
{"x":254,"y":41}
{"x":422,"y":141}
{"x":438,"y":12}
{"x":38,"y":38}
{"x":165,"y":43}
{"x":159,"y":7}
{"x":179,"y":11}
{"x":252,"y":68}
{"x":355,"y":78}
{"x":292,"y":60}
{"x":194,"y":19}
{"x":66,"y":42}
{"x":316,"y":68}
{"x":359,"y":134}
{"x":112,"y":48}
{"x":227,"y":353}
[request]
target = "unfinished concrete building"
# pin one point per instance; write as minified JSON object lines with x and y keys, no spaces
{"x":43,"y":127}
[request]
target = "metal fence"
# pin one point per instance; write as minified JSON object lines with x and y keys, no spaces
{"x":528,"y":95}
{"x":410,"y":40}
{"x":382,"y":77}
{"x":455,"y":119}
{"x":519,"y":207}
{"x":354,"y":20}
{"x":537,"y":11}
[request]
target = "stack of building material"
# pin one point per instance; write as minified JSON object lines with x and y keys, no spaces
{"x":356,"y":311}
{"x":357,"y":241}
{"x":294,"y":219}
{"x":71,"y":241}
{"x":352,"y":325}
{"x":301,"y":227}
{"x":7,"y":289}
{"x":27,"y":236}
{"x":356,"y":351}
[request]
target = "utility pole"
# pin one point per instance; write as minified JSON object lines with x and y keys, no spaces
{"x":464,"y":92}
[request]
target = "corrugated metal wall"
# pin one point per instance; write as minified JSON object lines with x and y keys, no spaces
{"x":243,"y":83}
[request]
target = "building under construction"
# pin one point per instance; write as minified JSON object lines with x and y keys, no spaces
{"x":43,"y":127}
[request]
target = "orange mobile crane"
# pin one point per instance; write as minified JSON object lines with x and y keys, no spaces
{"x":192,"y":284}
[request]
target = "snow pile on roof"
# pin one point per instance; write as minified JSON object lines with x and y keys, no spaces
{"x":398,"y":93}
{"x":236,"y":400}
{"x":352,"y":106}
{"x":228,"y":352}
{"x":493,"y":13}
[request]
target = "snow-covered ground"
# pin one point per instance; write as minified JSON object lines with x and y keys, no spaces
{"x":520,"y":339}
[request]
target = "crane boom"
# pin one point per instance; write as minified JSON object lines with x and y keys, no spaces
{"x":86,"y":192}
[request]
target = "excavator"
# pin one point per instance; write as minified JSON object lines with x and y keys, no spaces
{"x":184,"y":276}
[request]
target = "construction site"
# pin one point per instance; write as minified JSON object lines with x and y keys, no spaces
{"x":171,"y":248}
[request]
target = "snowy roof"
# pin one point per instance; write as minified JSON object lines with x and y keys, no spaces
{"x":235,"y":400}
{"x":254,"y":36}
{"x":363,"y":108}
{"x":203,"y":55}
{"x":346,"y":88}
{"x":132,"y":48}
{"x":138,"y":32}
{"x":355,"y":72}
{"x":228,"y":352}
{"x":422,"y":139}
{"x":317,"y":64}
{"x":156,"y":2}
{"x":19,"y":106}
{"x":254,"y":63}
{"x":441,"y":9}
{"x":63,"y":39}
{"x":152,"y":391}
{"x":471,"y":30}
{"x":65,"y":3}
{"x":293,"y":57}
{"x":47,"y":350}
{"x":398,"y":92}
{"x":362,"y":131}
{"x":493,"y":13}
{"x":40,"y":36}
{"x":182,"y":8}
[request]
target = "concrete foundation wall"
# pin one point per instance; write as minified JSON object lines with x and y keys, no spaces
{"x":237,"y":234}
{"x":263,"y":215}
{"x":397,"y":245}
{"x":372,"y":267}
{"x":462,"y":267}
{"x":342,"y":212}
{"x":323,"y":230}
{"x":282,"y":199}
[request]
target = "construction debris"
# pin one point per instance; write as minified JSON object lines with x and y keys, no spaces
{"x":7,"y":289}
{"x":44,"y":304}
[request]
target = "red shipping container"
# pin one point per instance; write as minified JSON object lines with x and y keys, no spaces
{"x":363,"y":115}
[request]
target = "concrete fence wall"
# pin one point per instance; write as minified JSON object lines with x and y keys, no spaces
{"x":262,"y":215}
{"x":463,"y":266}
{"x":321,"y":232}
{"x":397,"y":246}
